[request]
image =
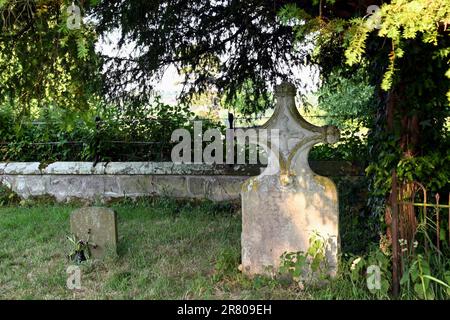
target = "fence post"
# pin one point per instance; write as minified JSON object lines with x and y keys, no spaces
{"x":97,"y":140}
{"x":161,"y":145}
{"x":230,"y":120}
{"x":394,"y":235}
{"x":438,"y":227}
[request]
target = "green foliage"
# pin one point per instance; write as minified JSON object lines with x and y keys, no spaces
{"x":406,"y":53}
{"x":248,"y":101}
{"x":305,"y":266}
{"x":355,"y":39}
{"x":227,"y":263}
{"x":355,"y":269}
{"x":418,"y":274}
{"x":80,"y":249}
{"x":42,"y":62}
{"x":344,"y":97}
{"x":54,"y":131}
{"x":346,"y":100}
{"x":7,"y":196}
{"x":154,"y":123}
{"x":401,"y":21}
{"x":352,"y":146}
{"x":426,"y":273}
{"x":123,"y":133}
{"x":413,"y":64}
{"x":425,"y":268}
{"x":432,"y":170}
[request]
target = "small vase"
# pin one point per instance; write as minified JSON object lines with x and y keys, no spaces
{"x":80,"y":257}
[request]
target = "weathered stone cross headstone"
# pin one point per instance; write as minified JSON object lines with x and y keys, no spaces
{"x":99,"y":226}
{"x":286,"y":204}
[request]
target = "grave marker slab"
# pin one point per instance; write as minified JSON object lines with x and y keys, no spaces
{"x":288,"y":202}
{"x":97,"y":223}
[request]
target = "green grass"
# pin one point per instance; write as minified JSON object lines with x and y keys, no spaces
{"x":166,"y":250}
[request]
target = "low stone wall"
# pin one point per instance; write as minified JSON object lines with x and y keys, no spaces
{"x":66,"y":181}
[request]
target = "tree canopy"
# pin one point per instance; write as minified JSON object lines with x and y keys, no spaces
{"x":42,"y":61}
{"x":223,"y":44}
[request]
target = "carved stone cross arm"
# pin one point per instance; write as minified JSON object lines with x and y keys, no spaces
{"x":290,"y":137}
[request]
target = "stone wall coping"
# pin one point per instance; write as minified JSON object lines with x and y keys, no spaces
{"x":20,"y":168}
{"x":125,"y":168}
{"x":326,"y":168}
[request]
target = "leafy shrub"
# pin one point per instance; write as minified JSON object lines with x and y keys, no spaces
{"x":352,"y":146}
{"x":226,"y":263}
{"x":104,"y":133}
{"x":304,"y":266}
{"x":7,"y":196}
{"x":360,"y":270}
{"x":425,"y":268}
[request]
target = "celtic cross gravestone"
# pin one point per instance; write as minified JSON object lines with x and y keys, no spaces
{"x":288,"y":202}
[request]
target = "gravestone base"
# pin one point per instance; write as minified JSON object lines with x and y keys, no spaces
{"x":279,"y":218}
{"x":97,"y":224}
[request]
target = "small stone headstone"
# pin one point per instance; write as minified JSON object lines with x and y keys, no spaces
{"x":99,"y":226}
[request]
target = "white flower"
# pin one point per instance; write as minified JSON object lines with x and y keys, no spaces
{"x":415,"y":244}
{"x":355,"y":262}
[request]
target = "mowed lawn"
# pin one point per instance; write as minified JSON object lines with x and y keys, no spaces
{"x":167,"y":250}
